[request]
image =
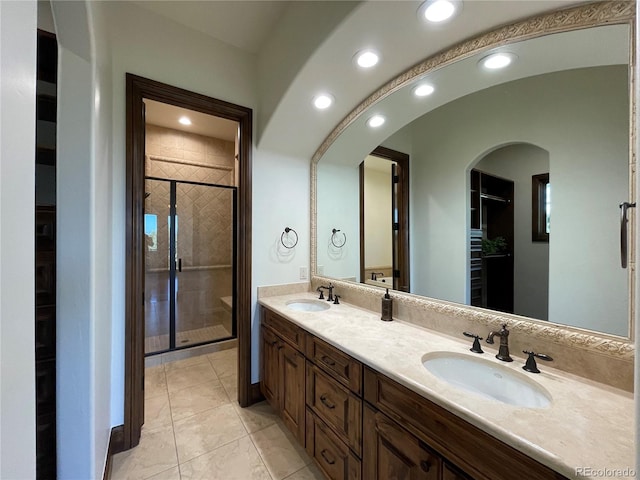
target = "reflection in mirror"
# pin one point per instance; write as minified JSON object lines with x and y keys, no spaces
{"x":561,"y":110}
{"x":384,"y":219}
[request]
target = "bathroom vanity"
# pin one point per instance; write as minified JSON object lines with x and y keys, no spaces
{"x":355,"y":392}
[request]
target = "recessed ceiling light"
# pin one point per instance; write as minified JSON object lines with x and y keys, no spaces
{"x":376,"y":121}
{"x":423,"y":90}
{"x":367,"y":58}
{"x":499,"y":60}
{"x":322,"y":101}
{"x":184,"y":121}
{"x":439,"y":10}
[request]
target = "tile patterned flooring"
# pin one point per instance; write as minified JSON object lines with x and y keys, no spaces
{"x":157,"y":343}
{"x":194,"y":429}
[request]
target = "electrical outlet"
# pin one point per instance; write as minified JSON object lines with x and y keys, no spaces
{"x":303,"y":273}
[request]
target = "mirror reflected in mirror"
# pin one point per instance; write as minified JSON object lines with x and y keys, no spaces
{"x":485,"y":150}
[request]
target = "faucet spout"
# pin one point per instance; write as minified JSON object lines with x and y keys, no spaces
{"x":327,"y":287}
{"x":503,"y":350}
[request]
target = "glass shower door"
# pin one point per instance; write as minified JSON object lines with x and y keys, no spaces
{"x":205,"y":260}
{"x":157,"y":304}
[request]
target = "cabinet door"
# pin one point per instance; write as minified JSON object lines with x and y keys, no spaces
{"x":291,"y":389}
{"x":392,"y":453}
{"x":269,"y":373}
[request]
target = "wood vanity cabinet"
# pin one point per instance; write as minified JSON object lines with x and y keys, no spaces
{"x":283,"y":375}
{"x":478,"y":454}
{"x":358,"y":424}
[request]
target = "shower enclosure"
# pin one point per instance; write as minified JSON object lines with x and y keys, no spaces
{"x":190,"y":264}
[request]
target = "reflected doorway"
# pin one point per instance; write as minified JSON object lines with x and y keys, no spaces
{"x":384,"y":219}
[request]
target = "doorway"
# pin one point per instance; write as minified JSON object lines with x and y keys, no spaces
{"x":384,"y":219}
{"x":194,"y":250}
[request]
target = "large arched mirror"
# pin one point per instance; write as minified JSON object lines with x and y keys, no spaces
{"x":516,"y":174}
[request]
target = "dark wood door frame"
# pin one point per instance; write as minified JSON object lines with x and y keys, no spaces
{"x":401,"y":202}
{"x":139,"y":88}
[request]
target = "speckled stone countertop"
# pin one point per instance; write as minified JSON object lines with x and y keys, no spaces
{"x":586,"y":431}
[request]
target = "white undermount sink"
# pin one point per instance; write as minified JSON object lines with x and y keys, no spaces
{"x":486,"y":378}
{"x":307,"y":305}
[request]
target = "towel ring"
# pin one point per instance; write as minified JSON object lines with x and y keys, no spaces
{"x":286,"y":232}
{"x":333,"y":238}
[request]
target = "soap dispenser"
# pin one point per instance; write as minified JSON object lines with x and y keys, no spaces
{"x":387,"y":308}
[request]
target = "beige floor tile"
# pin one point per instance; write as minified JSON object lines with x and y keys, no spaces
{"x":258,"y":416}
{"x":238,"y":460}
{"x":155,"y":382}
{"x":187,"y":362}
{"x":204,"y":432}
{"x":230,"y":385}
{"x":310,"y":472}
{"x":227,"y":353}
{"x":171,"y":474}
{"x":155,"y":453}
{"x":157,"y":412}
{"x":225,"y":366}
{"x":191,"y":400}
{"x":189,"y":376}
{"x":280,"y":452}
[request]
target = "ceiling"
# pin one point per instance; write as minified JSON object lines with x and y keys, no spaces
{"x":316,"y":55}
{"x":165,"y":115}
{"x":245,"y":24}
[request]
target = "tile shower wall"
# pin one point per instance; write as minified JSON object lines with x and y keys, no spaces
{"x":205,"y":227}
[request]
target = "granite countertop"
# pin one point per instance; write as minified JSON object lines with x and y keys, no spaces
{"x":587,"y":426}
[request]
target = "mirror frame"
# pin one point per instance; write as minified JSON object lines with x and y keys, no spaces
{"x":573,"y":18}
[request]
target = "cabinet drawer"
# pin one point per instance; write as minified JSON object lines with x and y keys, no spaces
{"x":341,"y":366}
{"x":331,"y":454}
{"x":336,"y":405}
{"x":284,"y":328}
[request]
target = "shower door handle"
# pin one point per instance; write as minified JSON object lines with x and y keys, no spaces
{"x":624,"y":238}
{"x":180,"y":265}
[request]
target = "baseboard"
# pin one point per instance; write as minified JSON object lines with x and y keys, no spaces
{"x":116,"y":445}
{"x":255,"y":395}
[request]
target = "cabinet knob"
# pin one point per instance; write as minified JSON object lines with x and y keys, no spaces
{"x":327,"y":360}
{"x":326,"y":457}
{"x":326,"y":402}
{"x":425,"y":465}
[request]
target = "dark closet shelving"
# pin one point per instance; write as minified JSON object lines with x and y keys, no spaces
{"x":491,"y":214}
{"x":45,"y":256}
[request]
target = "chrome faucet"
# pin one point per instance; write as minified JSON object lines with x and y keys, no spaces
{"x":503,"y":351}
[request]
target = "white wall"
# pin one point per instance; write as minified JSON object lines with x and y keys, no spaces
{"x":84,"y":241}
{"x":587,"y":140}
{"x":102,"y":232}
{"x":280,"y":200}
{"x":17,"y":209}
{"x":518,"y":163}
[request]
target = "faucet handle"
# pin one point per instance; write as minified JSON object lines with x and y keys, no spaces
{"x":321,"y":297}
{"x":335,"y":299}
{"x":530,"y":365}
{"x":476,"y":348}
